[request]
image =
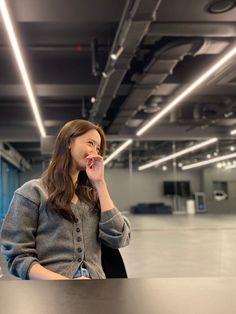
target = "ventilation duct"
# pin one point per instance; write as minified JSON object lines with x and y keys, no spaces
{"x":160,"y":66}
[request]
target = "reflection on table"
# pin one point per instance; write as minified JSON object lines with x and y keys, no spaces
{"x":120,"y":296}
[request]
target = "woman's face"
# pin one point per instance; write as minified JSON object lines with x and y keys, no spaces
{"x":83,"y":146}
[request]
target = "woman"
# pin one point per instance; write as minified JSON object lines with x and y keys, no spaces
{"x":55,"y":225}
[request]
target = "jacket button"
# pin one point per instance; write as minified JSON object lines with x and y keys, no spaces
{"x":78,"y":229}
{"x":79,"y":250}
{"x":79,"y":239}
{"x":79,"y":259}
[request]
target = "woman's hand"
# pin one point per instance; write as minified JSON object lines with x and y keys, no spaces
{"x":95,"y":168}
{"x":95,"y":173}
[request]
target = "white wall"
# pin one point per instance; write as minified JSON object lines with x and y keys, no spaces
{"x":211,"y":174}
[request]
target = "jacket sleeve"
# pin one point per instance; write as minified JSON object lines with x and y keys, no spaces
{"x":114,"y":229}
{"x":18,"y":235}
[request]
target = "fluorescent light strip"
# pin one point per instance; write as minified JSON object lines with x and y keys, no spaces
{"x":207,"y":162}
{"x":21,"y":65}
{"x":180,"y":153}
{"x":189,"y":89}
{"x":230,"y":167}
{"x":233,"y":132}
{"x":119,"y":149}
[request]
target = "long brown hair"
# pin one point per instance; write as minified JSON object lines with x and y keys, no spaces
{"x":57,"y":178}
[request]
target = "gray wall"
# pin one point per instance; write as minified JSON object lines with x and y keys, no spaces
{"x":33,"y":174}
{"x":147,"y":186}
{"x":211,"y":174}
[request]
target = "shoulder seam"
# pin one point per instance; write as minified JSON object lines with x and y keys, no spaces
{"x":27,"y":198}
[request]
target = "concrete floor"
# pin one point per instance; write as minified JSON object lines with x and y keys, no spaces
{"x":178,"y":246}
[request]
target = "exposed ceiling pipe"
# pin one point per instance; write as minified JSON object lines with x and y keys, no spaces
{"x":188,"y":47}
{"x":194,"y":29}
{"x":161,"y":64}
{"x":130,"y":32}
{"x":104,"y":79}
{"x":60,"y":48}
{"x":94,"y":57}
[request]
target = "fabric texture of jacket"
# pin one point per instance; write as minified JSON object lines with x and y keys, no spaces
{"x":31,"y":233}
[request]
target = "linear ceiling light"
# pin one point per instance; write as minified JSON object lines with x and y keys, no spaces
{"x":20,"y":62}
{"x":118,"y":150}
{"x":207,"y":162}
{"x":233,"y":132}
{"x":226,"y":57}
{"x":180,"y":153}
{"x":230,"y":167}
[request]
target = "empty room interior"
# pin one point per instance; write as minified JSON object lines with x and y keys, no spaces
{"x":159,"y":77}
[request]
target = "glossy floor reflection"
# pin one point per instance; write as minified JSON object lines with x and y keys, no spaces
{"x":181,"y":246}
{"x":178,"y":246}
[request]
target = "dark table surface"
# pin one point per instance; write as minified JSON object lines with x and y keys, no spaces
{"x":123,"y":296}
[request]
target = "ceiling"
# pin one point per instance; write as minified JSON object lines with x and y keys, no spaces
{"x":166,"y":44}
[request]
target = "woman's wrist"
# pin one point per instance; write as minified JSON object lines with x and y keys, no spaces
{"x":99,"y":184}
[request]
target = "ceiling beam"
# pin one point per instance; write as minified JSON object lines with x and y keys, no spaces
{"x":196,"y":29}
{"x":130,"y":32}
{"x":57,"y":90}
{"x":175,"y":132}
